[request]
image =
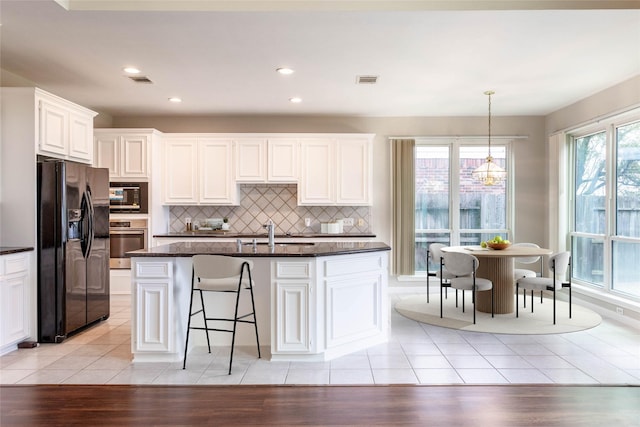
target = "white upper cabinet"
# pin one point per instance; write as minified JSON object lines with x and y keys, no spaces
{"x":251,"y":160}
{"x":262,"y":160}
{"x":81,"y":137}
{"x":217,"y":184}
{"x":135,"y":156}
{"x":199,"y":171}
{"x":107,"y":153}
{"x":336,"y":171}
{"x":205,"y":169}
{"x":282,"y":160}
{"x":181,"y":172}
{"x":354,"y":172}
{"x":54,"y":128}
{"x":317,"y":172}
{"x":125,"y":152}
{"x":64,"y":129}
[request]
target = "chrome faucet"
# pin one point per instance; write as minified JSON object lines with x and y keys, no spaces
{"x":270,"y":231}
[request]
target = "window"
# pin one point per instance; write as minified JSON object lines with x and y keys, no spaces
{"x":589,"y":215}
{"x":626,"y":242}
{"x":605,"y":236}
{"x":451,"y":207}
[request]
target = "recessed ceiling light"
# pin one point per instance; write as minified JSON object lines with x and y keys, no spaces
{"x":131,"y":70}
{"x":175,"y":99}
{"x":295,"y":100}
{"x":285,"y":70}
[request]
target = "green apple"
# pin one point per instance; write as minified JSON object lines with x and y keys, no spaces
{"x":483,"y":244}
{"x":497,"y":239}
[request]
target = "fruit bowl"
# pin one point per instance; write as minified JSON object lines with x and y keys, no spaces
{"x":498,"y":246}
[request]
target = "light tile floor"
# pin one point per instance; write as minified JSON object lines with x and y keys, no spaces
{"x":415,"y":354}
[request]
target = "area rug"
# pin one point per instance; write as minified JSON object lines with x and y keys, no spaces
{"x":415,"y":307}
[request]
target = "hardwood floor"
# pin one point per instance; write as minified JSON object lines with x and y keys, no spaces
{"x":493,"y":406}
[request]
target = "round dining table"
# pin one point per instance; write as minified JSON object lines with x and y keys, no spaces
{"x":497,"y":266}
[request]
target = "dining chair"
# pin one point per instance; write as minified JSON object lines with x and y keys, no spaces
{"x":435,"y":253}
{"x":221,"y":274}
{"x":559,"y":264}
{"x":463,"y":267}
{"x":523,"y":272}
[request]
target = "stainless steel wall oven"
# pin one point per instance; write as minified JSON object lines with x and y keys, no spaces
{"x":126,"y":235}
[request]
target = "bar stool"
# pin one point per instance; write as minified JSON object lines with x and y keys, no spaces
{"x":223,"y":274}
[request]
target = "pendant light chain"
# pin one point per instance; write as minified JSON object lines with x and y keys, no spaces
{"x":489,"y":173}
{"x":489,"y":93}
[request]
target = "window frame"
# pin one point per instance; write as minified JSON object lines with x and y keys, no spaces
{"x":454,"y":231}
{"x":609,"y":128}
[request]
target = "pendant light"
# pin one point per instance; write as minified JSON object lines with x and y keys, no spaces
{"x":489,"y":173}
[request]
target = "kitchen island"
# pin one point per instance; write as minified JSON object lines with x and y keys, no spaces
{"x":314,"y":300}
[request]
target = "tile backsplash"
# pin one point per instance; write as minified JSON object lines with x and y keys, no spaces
{"x":260,"y":202}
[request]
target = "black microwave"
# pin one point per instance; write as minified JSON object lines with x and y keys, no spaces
{"x":128,"y":197}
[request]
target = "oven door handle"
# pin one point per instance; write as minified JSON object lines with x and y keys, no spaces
{"x":126,"y":231}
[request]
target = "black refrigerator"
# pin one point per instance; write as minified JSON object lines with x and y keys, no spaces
{"x":73,"y":248}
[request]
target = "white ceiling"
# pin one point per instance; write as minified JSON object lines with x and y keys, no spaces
{"x":430,"y":62}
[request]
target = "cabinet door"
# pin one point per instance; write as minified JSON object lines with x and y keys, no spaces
{"x":81,"y":137}
{"x":293,"y":328}
{"x":251,"y":160}
{"x":217,"y":183}
{"x":134,"y":156}
{"x":316,"y":185}
{"x":107,"y":154}
{"x":14,"y":304}
{"x":14,"y":300}
{"x":181,"y":172}
{"x":54,"y":131}
{"x":154,"y":326}
{"x":282,"y":160}
{"x":353,"y":186}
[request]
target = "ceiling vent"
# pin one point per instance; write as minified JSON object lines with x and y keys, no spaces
{"x":141,"y":79}
{"x":366,"y":80}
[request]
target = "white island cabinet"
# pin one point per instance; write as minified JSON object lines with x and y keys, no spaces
{"x":309,"y":308}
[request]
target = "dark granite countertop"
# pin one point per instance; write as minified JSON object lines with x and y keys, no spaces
{"x":6,"y":250}
{"x":234,"y":235}
{"x":187,"y":249}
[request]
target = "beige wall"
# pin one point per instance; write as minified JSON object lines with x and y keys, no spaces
{"x":616,"y":99}
{"x":529,"y":153}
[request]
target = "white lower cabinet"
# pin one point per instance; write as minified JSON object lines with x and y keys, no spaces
{"x":293,"y":306}
{"x":152,"y":329}
{"x":14,"y":300}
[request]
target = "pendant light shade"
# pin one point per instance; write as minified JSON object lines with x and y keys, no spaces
{"x":489,"y":173}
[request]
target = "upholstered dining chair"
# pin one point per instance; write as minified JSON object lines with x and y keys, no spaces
{"x":463,"y":267}
{"x":559,"y":264}
{"x":435,"y":253}
{"x":523,"y":272}
{"x":221,"y":274}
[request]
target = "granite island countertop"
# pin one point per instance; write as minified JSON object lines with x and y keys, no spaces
{"x":7,"y":250}
{"x":235,"y":235}
{"x":288,"y":249}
